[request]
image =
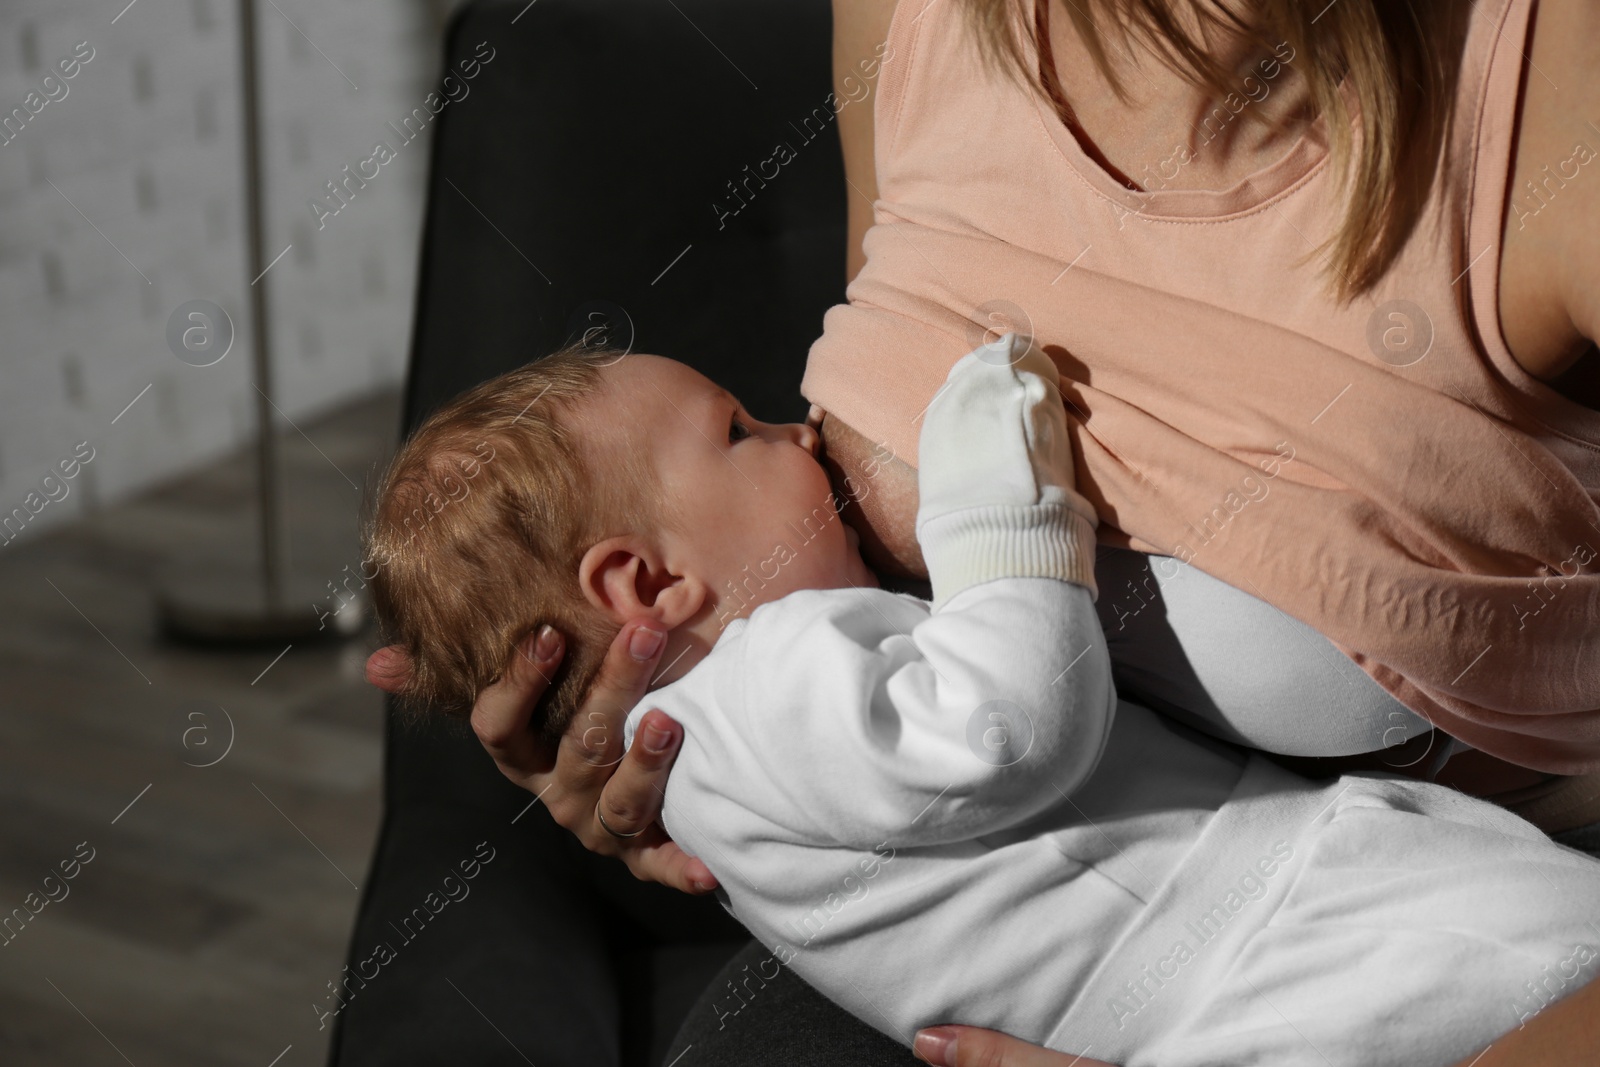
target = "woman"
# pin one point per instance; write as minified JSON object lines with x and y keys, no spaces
{"x":1531,"y":308}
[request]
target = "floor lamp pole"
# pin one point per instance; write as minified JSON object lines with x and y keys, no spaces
{"x":240,"y":607}
{"x":270,"y":491}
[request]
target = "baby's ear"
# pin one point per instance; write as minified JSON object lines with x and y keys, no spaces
{"x":625,"y":577}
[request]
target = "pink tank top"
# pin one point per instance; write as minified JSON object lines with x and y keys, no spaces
{"x":1384,"y":471}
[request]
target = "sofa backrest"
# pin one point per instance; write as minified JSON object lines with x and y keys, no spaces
{"x":665,"y":174}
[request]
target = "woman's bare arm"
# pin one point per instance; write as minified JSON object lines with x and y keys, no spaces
{"x":859,"y":26}
{"x":1566,"y":1035}
{"x":1549,"y":259}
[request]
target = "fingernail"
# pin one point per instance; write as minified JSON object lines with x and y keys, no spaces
{"x":656,"y":740}
{"x":544,"y":648}
{"x":646,"y":642}
{"x":701,"y":885}
{"x":936,"y":1045}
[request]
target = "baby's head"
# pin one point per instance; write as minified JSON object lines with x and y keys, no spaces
{"x":584,"y":490}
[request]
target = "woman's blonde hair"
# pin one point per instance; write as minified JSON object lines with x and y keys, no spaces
{"x":1401,"y":60}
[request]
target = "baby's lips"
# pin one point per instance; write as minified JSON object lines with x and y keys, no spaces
{"x":814,"y":416}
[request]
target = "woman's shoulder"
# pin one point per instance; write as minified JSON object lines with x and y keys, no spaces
{"x":861,"y":21}
{"x":1550,"y":261}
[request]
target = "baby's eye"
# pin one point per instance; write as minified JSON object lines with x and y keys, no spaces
{"x":737,"y":431}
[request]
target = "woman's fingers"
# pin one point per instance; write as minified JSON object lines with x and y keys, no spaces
{"x":389,"y":668}
{"x":631,"y":801}
{"x":968,"y":1046}
{"x":592,"y":744}
{"x":659,"y":859}
{"x":501,"y":714}
{"x":595,"y":778}
{"x":588,"y":770}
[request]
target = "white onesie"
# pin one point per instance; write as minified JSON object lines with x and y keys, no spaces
{"x":942,"y":813}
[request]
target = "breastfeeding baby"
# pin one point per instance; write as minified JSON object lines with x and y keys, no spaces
{"x":941,"y":811}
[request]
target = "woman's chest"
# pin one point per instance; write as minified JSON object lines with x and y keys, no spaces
{"x":1235,"y":223}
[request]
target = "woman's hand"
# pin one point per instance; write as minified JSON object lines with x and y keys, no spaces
{"x":588,"y":772}
{"x":1564,"y":1034}
{"x":968,"y":1046}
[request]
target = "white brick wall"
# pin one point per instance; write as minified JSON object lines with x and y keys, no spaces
{"x":146,"y":144}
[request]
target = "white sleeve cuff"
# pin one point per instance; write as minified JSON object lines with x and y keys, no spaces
{"x":975,"y":545}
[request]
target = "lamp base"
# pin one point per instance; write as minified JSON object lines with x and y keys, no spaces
{"x":227,"y":608}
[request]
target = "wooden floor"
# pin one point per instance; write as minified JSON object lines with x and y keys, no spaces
{"x":219,"y":898}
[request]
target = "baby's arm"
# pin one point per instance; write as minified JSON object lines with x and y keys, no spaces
{"x":927,"y":729}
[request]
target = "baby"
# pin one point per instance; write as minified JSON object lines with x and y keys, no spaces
{"x":942,"y":812}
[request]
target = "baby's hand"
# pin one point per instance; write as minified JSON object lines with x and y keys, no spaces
{"x":995,"y":450}
{"x":1005,"y":395}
